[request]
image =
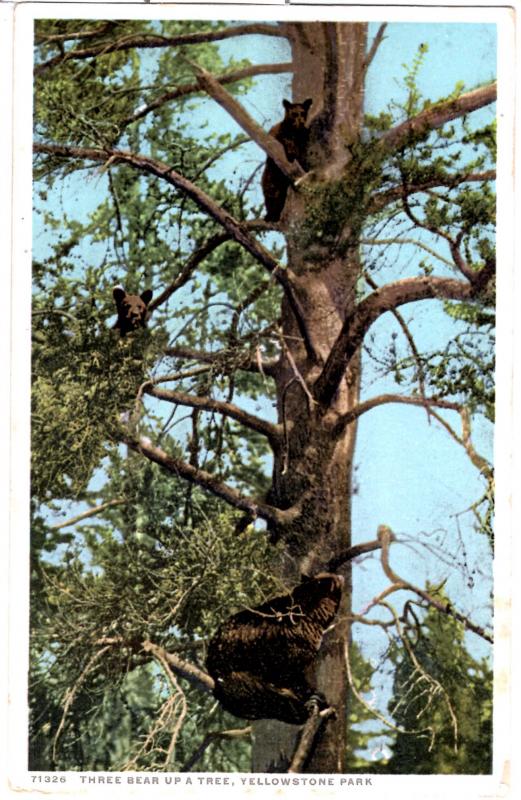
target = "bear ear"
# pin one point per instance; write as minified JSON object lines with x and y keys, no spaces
{"x":307,"y":103}
{"x":118,"y":293}
{"x":146,"y":296}
{"x":287,"y":105}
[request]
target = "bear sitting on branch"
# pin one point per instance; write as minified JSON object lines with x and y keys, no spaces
{"x":293,"y":134}
{"x":259,"y":658}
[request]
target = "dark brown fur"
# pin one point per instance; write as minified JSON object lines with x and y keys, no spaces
{"x":259,"y":657}
{"x":293,"y":134}
{"x":131,"y":308}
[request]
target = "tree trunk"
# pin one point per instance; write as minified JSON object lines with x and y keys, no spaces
{"x":314,"y":463}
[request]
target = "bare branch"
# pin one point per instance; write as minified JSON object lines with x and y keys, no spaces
{"x":386,"y":536}
{"x":201,"y":680}
{"x":412,"y":345}
{"x":307,"y":737}
{"x":438,"y":114}
{"x":205,"y":202}
{"x":90,"y":513}
{"x":382,"y":399}
{"x":375,"y":45}
{"x":275,"y":516}
{"x":351,"y":553}
{"x":191,"y":88}
{"x":407,"y":290}
{"x":269,"y":144}
{"x":465,"y":441}
{"x":268,"y":429}
{"x":149,"y":40}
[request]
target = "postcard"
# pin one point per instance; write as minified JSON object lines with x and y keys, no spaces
{"x":261,"y":423}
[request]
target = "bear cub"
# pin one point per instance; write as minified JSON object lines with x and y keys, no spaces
{"x":260,"y":658}
{"x":293,"y":134}
{"x":132,"y":309}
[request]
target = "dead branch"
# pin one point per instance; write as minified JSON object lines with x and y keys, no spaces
{"x":71,"y":693}
{"x":201,"y":680}
{"x":212,"y":737}
{"x":90,"y":513}
{"x":375,"y":45}
{"x":382,"y":399}
{"x":420,"y":732}
{"x":412,"y":345}
{"x":385,"y":535}
{"x":465,"y":441}
{"x":307,"y":737}
{"x":351,"y":553}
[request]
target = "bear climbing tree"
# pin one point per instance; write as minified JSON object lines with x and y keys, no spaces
{"x":261,"y":658}
{"x":293,"y":136}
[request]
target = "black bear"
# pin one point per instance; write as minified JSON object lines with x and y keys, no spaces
{"x":259,"y":657}
{"x":293,"y":134}
{"x":132,"y":309}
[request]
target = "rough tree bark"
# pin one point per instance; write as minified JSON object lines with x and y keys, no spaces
{"x":312,"y":464}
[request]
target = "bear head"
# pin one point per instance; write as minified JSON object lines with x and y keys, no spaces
{"x":296,"y":113}
{"x":132,"y":309}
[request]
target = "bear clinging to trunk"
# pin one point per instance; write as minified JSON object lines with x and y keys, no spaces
{"x":132,"y":309}
{"x":293,"y":134}
{"x":259,"y":658}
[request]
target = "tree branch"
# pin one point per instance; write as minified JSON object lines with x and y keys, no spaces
{"x":244,"y":361}
{"x":213,"y":736}
{"x":407,"y":290}
{"x":268,"y":429}
{"x":382,"y":199}
{"x":386,"y":536}
{"x":197,"y":677}
{"x":193,"y":261}
{"x":151,"y":41}
{"x":351,"y":553}
{"x":90,"y":513}
{"x":374,"y":402}
{"x":307,"y":737}
{"x":205,"y":202}
{"x":191,"y":88}
{"x":275,"y":516}
{"x":438,"y":114}
{"x":375,"y":45}
{"x":273,"y":148}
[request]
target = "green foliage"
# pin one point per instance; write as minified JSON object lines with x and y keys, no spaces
{"x":447,"y":692}
{"x":184,"y":582}
{"x":84,"y":378}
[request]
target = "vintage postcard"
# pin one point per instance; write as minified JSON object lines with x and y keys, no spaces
{"x":261,"y":417}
